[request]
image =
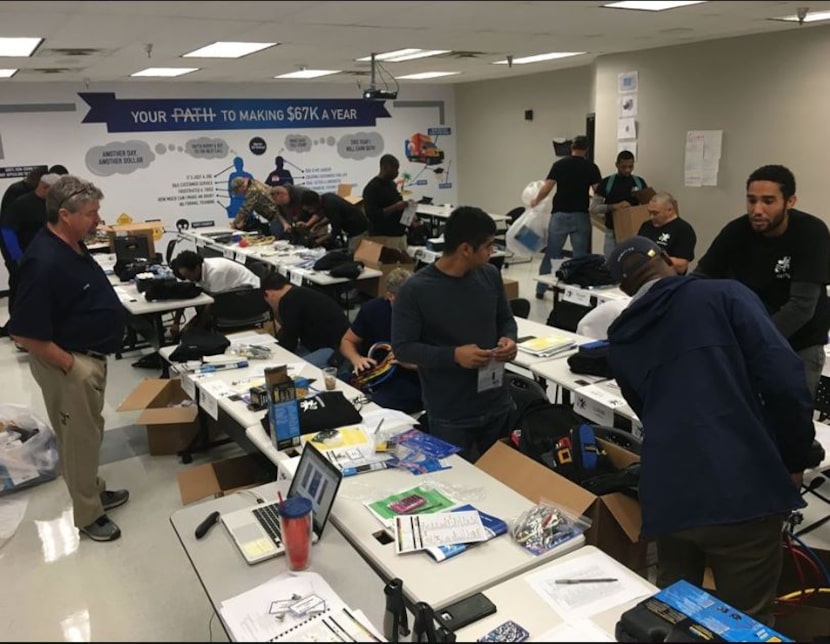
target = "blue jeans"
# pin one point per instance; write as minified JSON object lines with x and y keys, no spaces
{"x":562,"y":224}
{"x":319,"y":358}
{"x":609,"y":242}
{"x":473,"y":435}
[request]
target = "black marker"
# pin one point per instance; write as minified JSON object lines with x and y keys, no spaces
{"x":207,"y":524}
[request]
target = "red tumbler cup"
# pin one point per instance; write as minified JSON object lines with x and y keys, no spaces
{"x":295,"y":521}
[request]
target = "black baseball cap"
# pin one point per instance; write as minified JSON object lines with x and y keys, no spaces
{"x":632,"y":254}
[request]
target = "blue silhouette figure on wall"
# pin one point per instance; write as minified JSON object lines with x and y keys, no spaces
{"x":279,"y":176}
{"x":236,"y":200}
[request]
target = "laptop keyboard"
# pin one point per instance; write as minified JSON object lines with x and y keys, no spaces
{"x":268,"y":517}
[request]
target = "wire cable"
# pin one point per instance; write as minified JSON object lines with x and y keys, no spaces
{"x":794,"y":594}
{"x":815,"y":557}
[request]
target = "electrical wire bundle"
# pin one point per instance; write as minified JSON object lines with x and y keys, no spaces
{"x":818,"y":573}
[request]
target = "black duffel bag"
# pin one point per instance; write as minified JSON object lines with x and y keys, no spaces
{"x":197,"y":343}
{"x":171,"y":290}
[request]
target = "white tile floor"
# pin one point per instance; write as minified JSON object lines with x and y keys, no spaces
{"x":142,"y":587}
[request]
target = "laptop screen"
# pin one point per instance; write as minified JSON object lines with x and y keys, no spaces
{"x":316,"y":479}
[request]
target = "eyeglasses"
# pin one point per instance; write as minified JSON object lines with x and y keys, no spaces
{"x":74,"y":194}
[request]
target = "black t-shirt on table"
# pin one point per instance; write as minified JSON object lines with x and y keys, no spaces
{"x":677,"y":237}
{"x":310,"y":318}
{"x":621,"y":189}
{"x":377,"y":195}
{"x":768,"y":265}
{"x":573,"y":177}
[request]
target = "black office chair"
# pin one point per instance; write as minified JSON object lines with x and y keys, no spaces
{"x":237,"y":309}
{"x":168,"y":254}
{"x":524,"y":390}
{"x":259,"y":268}
{"x":520,"y":307}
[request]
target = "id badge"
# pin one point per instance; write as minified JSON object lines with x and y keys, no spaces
{"x":491,"y":376}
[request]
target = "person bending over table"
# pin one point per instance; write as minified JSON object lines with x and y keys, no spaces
{"x":453,"y":321}
{"x":311,"y":323}
{"x":722,"y":456}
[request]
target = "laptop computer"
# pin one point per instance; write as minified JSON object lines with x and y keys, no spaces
{"x":256,"y":530}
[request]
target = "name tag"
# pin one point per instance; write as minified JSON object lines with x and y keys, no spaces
{"x":228,"y":253}
{"x":491,"y":376}
{"x":241,"y":257}
{"x":576,"y":297}
{"x":296,"y":277}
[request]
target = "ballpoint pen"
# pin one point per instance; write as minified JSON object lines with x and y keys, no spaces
{"x":368,"y":467}
{"x":600,"y":580}
{"x":210,"y":368}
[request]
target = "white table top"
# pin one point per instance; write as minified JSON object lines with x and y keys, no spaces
{"x":440,"y":584}
{"x":516,"y":600}
{"x":423,"y":254}
{"x":444,"y":211}
{"x":224,"y":573}
{"x":582,"y":295}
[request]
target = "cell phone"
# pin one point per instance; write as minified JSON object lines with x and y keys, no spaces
{"x":466,"y":611}
{"x":524,"y":338}
{"x":510,"y":631}
{"x":408,"y":504}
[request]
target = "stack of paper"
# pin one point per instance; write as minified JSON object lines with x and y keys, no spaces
{"x":547,"y":346}
{"x":295,"y":607}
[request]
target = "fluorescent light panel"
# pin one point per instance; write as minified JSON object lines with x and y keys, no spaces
{"x":648,"y":5}
{"x":810,"y":17}
{"x":18,"y":47}
{"x":166,"y":72}
{"x":538,"y":58}
{"x":309,"y":73}
{"x":7,"y":73}
{"x":228,"y":49}
{"x":400,"y":55}
{"x":426,"y":75}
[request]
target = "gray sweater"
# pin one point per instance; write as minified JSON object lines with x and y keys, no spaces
{"x":433,"y":314}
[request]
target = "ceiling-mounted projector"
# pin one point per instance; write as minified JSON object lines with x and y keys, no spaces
{"x":374,"y":94}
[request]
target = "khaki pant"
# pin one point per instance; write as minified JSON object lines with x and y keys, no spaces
{"x":745,"y":558}
{"x":74,"y":402}
{"x":813,"y":358}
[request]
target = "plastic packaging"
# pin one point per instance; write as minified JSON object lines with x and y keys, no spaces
{"x":529,"y":232}
{"x":546,"y":525}
{"x":28,"y":449}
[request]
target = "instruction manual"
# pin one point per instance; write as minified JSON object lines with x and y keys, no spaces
{"x":413,"y":533}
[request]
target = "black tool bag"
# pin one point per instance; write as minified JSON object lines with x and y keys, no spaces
{"x":331,"y":259}
{"x":350,"y":270}
{"x":591,"y":359}
{"x":171,"y":290}
{"x":195,"y":344}
{"x":590,"y":270}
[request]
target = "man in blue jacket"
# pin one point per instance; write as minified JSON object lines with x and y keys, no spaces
{"x":727,"y":422}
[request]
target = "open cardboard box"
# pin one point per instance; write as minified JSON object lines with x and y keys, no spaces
{"x":169,"y":429}
{"x":615,"y":518}
{"x":375,"y":255}
{"x":219,"y":478}
{"x":511,"y":288}
{"x":344,"y":190}
{"x":627,"y":221}
{"x":145,"y":229}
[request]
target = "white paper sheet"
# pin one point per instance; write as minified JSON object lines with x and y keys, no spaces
{"x":627,"y":105}
{"x":579,"y":630}
{"x":419,"y":532}
{"x":574,"y":601}
{"x":626,"y":128}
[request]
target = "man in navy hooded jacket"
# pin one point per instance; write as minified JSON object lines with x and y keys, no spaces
{"x":727,"y":423}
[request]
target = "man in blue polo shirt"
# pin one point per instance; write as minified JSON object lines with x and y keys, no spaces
{"x":68,"y":317}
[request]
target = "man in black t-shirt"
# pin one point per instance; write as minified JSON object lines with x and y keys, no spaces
{"x":784,"y":256}
{"x":573,"y":177}
{"x":311,"y":323}
{"x":384,"y":205}
{"x":332,"y":209}
{"x":671,"y":233}
{"x":614,"y":192}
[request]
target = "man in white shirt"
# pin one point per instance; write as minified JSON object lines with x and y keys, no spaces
{"x":594,"y":324}
{"x":213,"y":275}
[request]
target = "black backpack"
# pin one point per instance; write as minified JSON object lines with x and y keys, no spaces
{"x":591,"y":359}
{"x":171,"y":290}
{"x":197,"y":343}
{"x":591,"y":270}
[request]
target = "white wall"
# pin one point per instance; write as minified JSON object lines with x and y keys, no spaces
{"x":770,"y":94}
{"x":499,"y":152}
{"x":155,"y":188}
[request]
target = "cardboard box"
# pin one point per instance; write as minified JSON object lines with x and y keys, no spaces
{"x":375,"y":255}
{"x":627,"y":221}
{"x":218,"y":479}
{"x":169,"y":429}
{"x":615,"y":518}
{"x":146,"y":229}
{"x":511,"y":288}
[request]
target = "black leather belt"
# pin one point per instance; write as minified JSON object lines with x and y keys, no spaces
{"x":94,"y":354}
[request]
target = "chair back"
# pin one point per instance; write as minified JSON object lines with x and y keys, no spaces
{"x":240,"y":308}
{"x":520,"y":307}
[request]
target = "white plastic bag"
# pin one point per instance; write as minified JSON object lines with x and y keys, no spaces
{"x":529,"y":233}
{"x":28,"y":449}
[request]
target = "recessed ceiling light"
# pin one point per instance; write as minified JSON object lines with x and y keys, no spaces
{"x":425,"y":75}
{"x":166,"y":72}
{"x":400,"y":55}
{"x":7,"y":73}
{"x":538,"y":58}
{"x":810,"y":17}
{"x":649,"y":5}
{"x":309,"y":73}
{"x":18,"y":47}
{"x":229,"y":49}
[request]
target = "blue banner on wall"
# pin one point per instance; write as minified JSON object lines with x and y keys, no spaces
{"x":167,"y":115}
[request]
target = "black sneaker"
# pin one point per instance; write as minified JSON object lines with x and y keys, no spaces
{"x":102,"y":529}
{"x":150,"y":361}
{"x":113,"y":498}
{"x":540,"y":296}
